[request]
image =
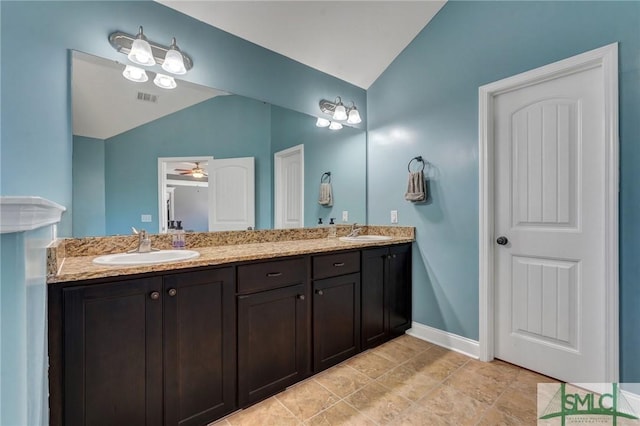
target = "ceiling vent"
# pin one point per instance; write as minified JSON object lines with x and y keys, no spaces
{"x":147,"y":97}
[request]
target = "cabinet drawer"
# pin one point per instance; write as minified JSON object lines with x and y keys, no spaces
{"x":269,"y":275}
{"x":332,"y":265}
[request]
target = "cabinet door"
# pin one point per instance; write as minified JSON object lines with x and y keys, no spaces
{"x":199,"y":346}
{"x":374,"y":312}
{"x":399,"y":289}
{"x":272,"y":336}
{"x":336,"y":320}
{"x":113,"y":353}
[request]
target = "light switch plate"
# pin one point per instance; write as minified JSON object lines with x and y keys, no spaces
{"x":345,"y":216}
{"x":145,"y":218}
{"x":394,"y":216}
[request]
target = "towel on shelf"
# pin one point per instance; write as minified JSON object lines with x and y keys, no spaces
{"x":326,"y":195}
{"x":416,"y":188}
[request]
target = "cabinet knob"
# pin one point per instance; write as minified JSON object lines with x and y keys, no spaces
{"x":301,"y":296}
{"x":319,"y":292}
{"x":394,"y":256}
{"x":155,"y":295}
{"x":388,"y":256}
{"x":172,"y":292}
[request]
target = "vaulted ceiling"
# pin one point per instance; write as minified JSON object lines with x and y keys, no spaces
{"x":351,"y":40}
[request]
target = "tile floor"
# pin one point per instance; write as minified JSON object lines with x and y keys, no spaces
{"x":406,"y":381}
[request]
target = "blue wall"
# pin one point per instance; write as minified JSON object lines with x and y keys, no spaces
{"x":88,"y":216}
{"x":224,"y":127}
{"x":342,"y":152}
{"x":426,"y":103}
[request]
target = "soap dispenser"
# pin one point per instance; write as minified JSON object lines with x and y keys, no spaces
{"x":179,"y":234}
{"x":333,"y":231}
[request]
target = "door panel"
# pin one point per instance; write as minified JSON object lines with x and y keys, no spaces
{"x":289,"y":188}
{"x":549,"y":203}
{"x":232,"y":192}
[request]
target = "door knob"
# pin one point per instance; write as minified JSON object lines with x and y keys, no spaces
{"x":502,"y":240}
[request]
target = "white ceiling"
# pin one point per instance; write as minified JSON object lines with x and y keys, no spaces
{"x":351,"y":40}
{"x":105,"y":104}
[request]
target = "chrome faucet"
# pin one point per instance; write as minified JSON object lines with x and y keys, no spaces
{"x":144,"y":242}
{"x":355,"y":231}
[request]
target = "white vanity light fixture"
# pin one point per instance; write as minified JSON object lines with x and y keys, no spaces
{"x":140,"y":52}
{"x":143,"y":51}
{"x":322,"y":122}
{"x":338,"y":112}
{"x":135,"y":74}
{"x":354,"y":116}
{"x":173,"y":60}
{"x":164,"y":81}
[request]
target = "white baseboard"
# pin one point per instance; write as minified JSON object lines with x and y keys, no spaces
{"x":445,"y":339}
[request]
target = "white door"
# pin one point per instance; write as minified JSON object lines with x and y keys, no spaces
{"x":289,"y":188}
{"x":232,"y":194}
{"x":550,"y":176}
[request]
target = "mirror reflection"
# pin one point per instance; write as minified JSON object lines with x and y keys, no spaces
{"x":121,"y":130}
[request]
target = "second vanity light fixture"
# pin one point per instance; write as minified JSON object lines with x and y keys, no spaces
{"x":339,"y":112}
{"x":143,"y":52}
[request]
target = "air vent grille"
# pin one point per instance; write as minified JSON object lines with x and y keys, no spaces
{"x":147,"y":97}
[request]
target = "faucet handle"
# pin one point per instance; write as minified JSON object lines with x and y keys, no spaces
{"x":134,"y":230}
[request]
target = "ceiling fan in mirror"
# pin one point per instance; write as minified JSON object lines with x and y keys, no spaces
{"x":196,"y":172}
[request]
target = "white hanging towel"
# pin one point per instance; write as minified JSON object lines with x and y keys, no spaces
{"x":326,"y":195}
{"x":416,"y":188}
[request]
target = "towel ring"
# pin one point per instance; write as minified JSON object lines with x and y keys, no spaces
{"x":419,"y":160}
{"x":326,"y":177}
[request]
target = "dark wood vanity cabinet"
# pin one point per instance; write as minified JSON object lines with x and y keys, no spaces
{"x":386,"y":293}
{"x":149,"y":351}
{"x":186,"y":348}
{"x":273,"y":344}
{"x":336,"y":308}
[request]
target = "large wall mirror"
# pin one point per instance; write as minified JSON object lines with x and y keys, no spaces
{"x":121,"y":129}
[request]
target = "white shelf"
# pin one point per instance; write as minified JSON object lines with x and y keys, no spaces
{"x":25,"y":213}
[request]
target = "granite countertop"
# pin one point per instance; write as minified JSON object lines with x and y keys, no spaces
{"x":82,"y":267}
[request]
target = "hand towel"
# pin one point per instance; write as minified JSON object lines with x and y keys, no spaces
{"x":416,"y":188}
{"x":326,"y":195}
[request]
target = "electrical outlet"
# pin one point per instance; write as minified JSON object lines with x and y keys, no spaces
{"x":394,"y":216}
{"x":145,"y":218}
{"x":345,"y":216}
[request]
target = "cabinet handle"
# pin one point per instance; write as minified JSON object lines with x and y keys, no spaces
{"x":155,"y":295}
{"x":339,"y":264}
{"x":274,"y":274}
{"x":319,"y":292}
{"x":301,"y":296}
{"x":172,"y":292}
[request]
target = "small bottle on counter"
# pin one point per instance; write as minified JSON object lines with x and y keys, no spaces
{"x":179,"y":236}
{"x":320,"y":222}
{"x":333,"y":231}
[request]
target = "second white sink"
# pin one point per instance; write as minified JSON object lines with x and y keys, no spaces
{"x":365,"y":238}
{"x":160,"y":256}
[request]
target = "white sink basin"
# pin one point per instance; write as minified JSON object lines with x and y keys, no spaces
{"x":365,"y":238}
{"x":160,"y":256}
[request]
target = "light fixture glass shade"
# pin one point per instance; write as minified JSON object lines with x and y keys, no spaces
{"x":135,"y":74}
{"x":354,"y":116}
{"x":322,"y":122}
{"x":335,"y":126}
{"x":141,"y":53}
{"x":340,"y":113}
{"x":164,"y":81}
{"x":173,"y":60}
{"x":197,"y":174}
